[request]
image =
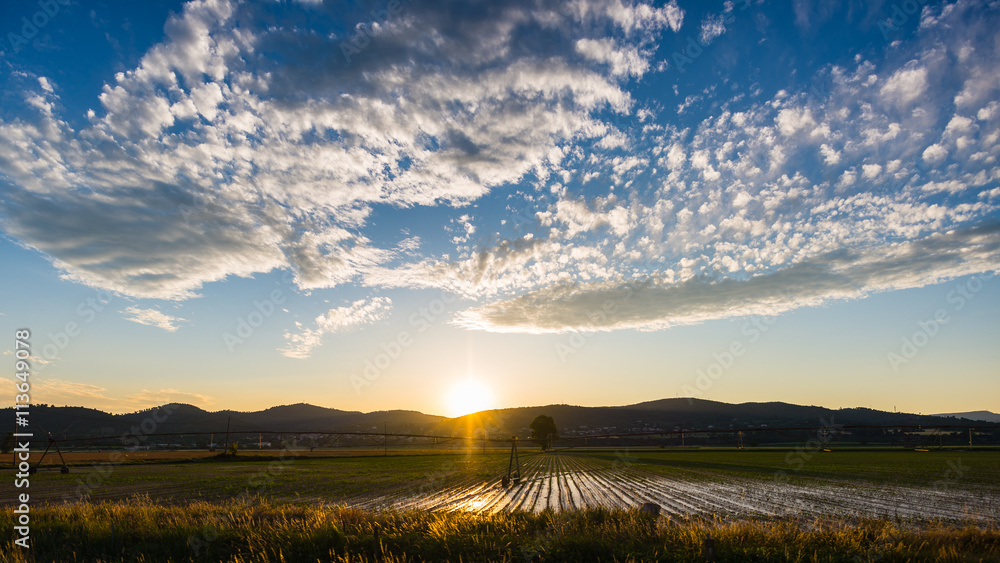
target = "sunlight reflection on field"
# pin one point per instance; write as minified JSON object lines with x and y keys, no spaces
{"x":567,"y":482}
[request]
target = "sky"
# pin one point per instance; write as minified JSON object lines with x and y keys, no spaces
{"x":451,"y":205}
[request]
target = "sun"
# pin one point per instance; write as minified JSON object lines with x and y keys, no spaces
{"x":468,"y":396}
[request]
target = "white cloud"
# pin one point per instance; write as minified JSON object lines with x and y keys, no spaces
{"x":905,"y":85}
{"x":934,"y":154}
{"x":959,"y":125}
{"x":741,"y":199}
{"x":653,"y":304}
{"x":847,"y":179}
{"x":711,"y":27}
{"x":632,"y":17}
{"x":871,"y":171}
{"x":624,"y":61}
{"x":830,"y":156}
{"x":152,"y":317}
{"x":361,"y":312}
{"x":210,"y":159}
{"x":737,"y":196}
{"x":247,"y":166}
{"x":791,"y":121}
{"x":676,"y":156}
{"x":950,"y":186}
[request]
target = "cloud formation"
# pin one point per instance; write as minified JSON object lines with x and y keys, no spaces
{"x":362,"y":312}
{"x":152,"y":317}
{"x":214,"y":157}
{"x":751,"y":196}
{"x":73,"y":393}
{"x":652,"y":304}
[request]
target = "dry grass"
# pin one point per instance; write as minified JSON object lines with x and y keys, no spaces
{"x":254,"y":529}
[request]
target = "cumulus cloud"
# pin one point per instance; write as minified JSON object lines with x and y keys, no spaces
{"x":362,"y":312}
{"x":871,"y":171}
{"x":749,"y":196}
{"x":935,"y":154}
{"x":152,"y":317}
{"x":905,"y":85}
{"x":791,"y":121}
{"x":213,"y":158}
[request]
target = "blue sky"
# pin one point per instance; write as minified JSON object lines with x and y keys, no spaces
{"x":359,"y":205}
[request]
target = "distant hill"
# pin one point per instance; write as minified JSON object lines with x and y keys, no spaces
{"x":681,"y":413}
{"x":985,"y":416}
{"x":303,"y":419}
{"x":79,"y":422}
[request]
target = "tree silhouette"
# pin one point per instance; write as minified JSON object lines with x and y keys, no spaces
{"x":543,"y":431}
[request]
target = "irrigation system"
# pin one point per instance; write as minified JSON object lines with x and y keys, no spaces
{"x":916,"y":437}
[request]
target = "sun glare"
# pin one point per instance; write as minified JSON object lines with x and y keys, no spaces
{"x":468,"y":396}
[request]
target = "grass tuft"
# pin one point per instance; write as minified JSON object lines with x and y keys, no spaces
{"x":252,"y":530}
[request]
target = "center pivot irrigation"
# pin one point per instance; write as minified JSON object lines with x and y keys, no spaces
{"x":828,"y":435}
{"x":513,"y":467}
{"x":51,"y":443}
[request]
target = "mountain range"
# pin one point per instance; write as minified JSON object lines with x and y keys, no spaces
{"x":658,"y":415}
{"x":985,"y":416}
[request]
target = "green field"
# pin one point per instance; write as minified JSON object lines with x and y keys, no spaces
{"x":331,"y":479}
{"x":980,"y":468}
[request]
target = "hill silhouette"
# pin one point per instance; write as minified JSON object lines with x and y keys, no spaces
{"x":986,"y":416}
{"x":685,"y":414}
{"x":658,"y":415}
